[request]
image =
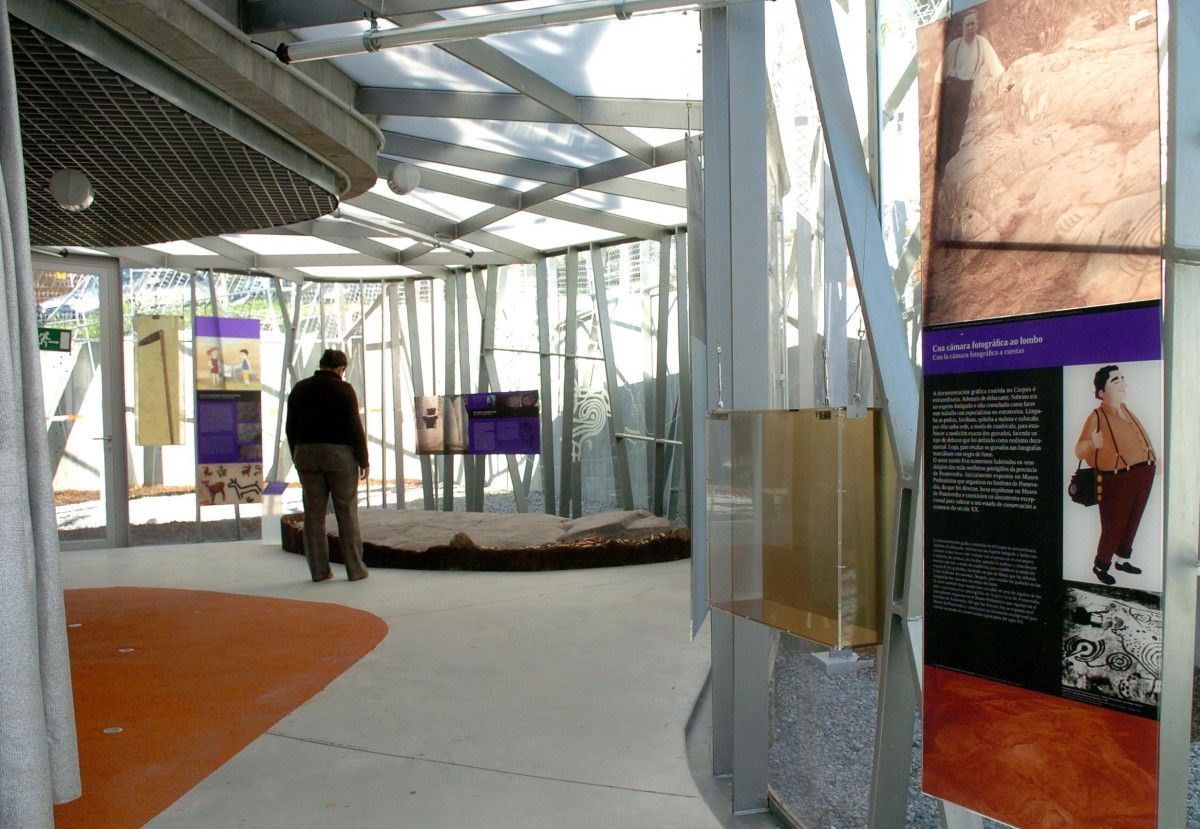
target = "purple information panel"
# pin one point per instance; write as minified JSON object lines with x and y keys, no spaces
{"x":503,"y":423}
{"x":1128,"y":333}
{"x":228,"y":375}
{"x":227,"y":328}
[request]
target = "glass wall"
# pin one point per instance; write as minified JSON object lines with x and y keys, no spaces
{"x":484,"y":328}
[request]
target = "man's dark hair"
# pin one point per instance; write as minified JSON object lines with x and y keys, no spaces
{"x":332,"y":358}
{"x":1101,"y":379}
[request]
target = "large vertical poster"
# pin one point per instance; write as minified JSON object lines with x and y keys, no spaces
{"x":1042,"y":410}
{"x":229,"y":454}
{"x":157,"y":404}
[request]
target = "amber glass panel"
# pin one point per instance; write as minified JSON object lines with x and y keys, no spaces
{"x":800,"y":507}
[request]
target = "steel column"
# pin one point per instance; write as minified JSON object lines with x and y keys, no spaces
{"x":864,"y":236}
{"x":683,"y":315}
{"x":418,"y":378}
{"x":662,"y":463}
{"x":470,"y":466}
{"x":393,"y":304}
{"x":1181,"y":354}
{"x":570,"y":463}
{"x":546,"y":368}
{"x":616,"y":420}
{"x":738,"y":303}
{"x":447,"y":461}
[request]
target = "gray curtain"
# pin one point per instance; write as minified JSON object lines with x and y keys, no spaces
{"x":39,"y":761}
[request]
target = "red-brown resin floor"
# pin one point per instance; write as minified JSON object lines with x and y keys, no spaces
{"x":190,"y":678}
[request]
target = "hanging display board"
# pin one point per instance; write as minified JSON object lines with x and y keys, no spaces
{"x":1042,"y":375}
{"x":228,"y":411}
{"x":492,"y":423}
{"x":158,"y":401}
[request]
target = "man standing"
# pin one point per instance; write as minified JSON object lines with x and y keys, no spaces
{"x":329,"y":449}
{"x":968,"y":58}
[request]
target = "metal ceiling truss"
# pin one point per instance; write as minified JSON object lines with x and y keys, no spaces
{"x":667,"y":114}
{"x":535,"y":100}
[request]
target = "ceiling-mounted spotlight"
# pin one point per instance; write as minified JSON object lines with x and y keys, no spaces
{"x":403,"y":179}
{"x":72,"y":189}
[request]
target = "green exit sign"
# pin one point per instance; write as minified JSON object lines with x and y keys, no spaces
{"x":54,"y":339}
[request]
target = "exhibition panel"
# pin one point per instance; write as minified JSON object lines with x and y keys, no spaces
{"x":805,"y":498}
{"x":1043,"y":410}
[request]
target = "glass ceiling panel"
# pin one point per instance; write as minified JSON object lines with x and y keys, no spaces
{"x":645,"y":211}
{"x":418,"y":67}
{"x":648,"y":56}
{"x":557,"y":143}
{"x":444,"y":204}
{"x":181,"y":249}
{"x":547,"y":234}
{"x":400,"y":243}
{"x":674,"y":175}
{"x":356,"y":272}
{"x":481,"y":176}
{"x":656,"y":137}
{"x":397,"y":242}
{"x":265,"y":244}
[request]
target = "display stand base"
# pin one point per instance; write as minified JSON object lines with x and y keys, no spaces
{"x":838,"y":662}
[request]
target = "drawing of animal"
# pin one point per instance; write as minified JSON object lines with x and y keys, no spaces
{"x":214,"y":489}
{"x":246,"y":471}
{"x":244,"y":490}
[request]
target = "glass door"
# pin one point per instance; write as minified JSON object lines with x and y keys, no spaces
{"x":79,"y":337}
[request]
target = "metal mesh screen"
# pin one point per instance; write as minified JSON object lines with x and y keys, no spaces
{"x":159,"y":174}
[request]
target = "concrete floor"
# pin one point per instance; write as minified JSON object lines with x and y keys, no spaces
{"x":496,"y":699}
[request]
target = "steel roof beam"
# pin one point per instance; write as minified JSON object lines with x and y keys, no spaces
{"x":491,"y":61}
{"x":259,"y":16}
{"x":512,"y":106}
{"x":427,"y":149}
{"x":468,"y":188}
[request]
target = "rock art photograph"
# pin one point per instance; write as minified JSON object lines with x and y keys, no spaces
{"x":1040,"y":157}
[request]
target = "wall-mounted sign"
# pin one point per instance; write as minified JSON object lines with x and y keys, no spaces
{"x":491,"y":423}
{"x":54,"y":339}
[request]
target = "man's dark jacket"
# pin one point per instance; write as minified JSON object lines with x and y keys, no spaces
{"x":324,"y":409}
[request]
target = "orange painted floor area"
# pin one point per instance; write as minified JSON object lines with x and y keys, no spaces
{"x":1031,"y":759}
{"x":190,"y":678}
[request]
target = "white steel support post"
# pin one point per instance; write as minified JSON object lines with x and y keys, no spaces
{"x":737,"y":303}
{"x":393,"y":310}
{"x":616,"y":421}
{"x":696,"y":385}
{"x":864,"y":238}
{"x":450,"y":308}
{"x":411,"y":294}
{"x":682,"y":316}
{"x":570,"y":464}
{"x":835,"y":362}
{"x":545,"y":371}
{"x":470,"y":464}
{"x":1181,"y":313}
{"x":662,"y":466}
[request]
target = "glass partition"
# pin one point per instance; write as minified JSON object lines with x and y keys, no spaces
{"x":799,"y":512}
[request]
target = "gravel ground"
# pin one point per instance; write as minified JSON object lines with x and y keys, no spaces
{"x":823,"y":742}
